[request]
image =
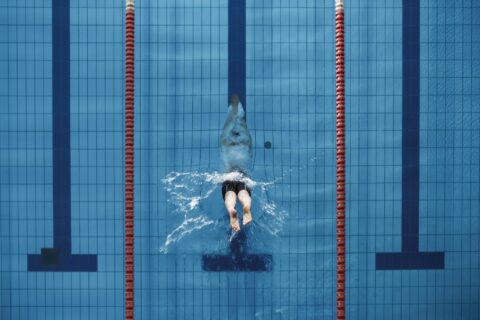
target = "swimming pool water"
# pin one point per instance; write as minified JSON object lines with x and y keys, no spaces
{"x":180,"y":103}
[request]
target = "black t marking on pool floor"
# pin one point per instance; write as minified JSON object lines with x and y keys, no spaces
{"x":238,"y":259}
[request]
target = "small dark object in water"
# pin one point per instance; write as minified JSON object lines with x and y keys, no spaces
{"x":268,"y":144}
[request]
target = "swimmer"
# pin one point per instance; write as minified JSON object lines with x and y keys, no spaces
{"x":236,"y":149}
{"x":230,"y":190}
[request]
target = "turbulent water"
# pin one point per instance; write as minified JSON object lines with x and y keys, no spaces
{"x":197,"y":201}
{"x":199,"y":219}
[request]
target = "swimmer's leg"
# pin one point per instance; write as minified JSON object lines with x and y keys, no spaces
{"x":230,"y":200}
{"x":246,"y":201}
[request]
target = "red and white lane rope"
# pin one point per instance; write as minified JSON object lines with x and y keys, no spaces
{"x":129,"y":158}
{"x":340,"y":143}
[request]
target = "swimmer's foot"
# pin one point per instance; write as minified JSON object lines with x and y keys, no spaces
{"x":234,"y":221}
{"x":247,"y":216}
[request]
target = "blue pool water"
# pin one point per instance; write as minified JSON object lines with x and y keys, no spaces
{"x":425,"y":175}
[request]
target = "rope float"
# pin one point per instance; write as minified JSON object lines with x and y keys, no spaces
{"x":340,"y":145}
{"x":129,"y":158}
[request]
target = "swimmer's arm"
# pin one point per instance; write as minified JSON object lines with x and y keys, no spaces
{"x":228,"y":125}
{"x":231,"y":117}
{"x":224,"y":140}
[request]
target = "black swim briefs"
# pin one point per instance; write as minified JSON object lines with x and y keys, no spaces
{"x":235,"y":186}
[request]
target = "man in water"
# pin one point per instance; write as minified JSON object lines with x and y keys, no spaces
{"x":236,"y":150}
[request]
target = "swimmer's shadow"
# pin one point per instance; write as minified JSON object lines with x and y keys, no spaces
{"x":238,"y":259}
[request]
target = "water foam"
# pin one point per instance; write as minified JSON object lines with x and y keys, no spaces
{"x":198,"y":204}
{"x":192,"y":192}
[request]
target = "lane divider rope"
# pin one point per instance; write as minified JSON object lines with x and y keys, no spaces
{"x":340,"y":146}
{"x":129,"y":158}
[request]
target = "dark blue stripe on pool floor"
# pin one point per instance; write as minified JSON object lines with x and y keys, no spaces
{"x":238,"y":259}
{"x":237,"y":49}
{"x":60,"y":257}
{"x":410,"y":257}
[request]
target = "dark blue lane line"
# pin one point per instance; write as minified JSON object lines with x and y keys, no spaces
{"x":410,"y":257}
{"x":238,"y":259}
{"x":237,"y":49}
{"x":60,"y":258}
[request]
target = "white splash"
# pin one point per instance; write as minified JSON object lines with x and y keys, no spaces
{"x":198,"y":204}
{"x":188,"y":226}
{"x":191,"y":192}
